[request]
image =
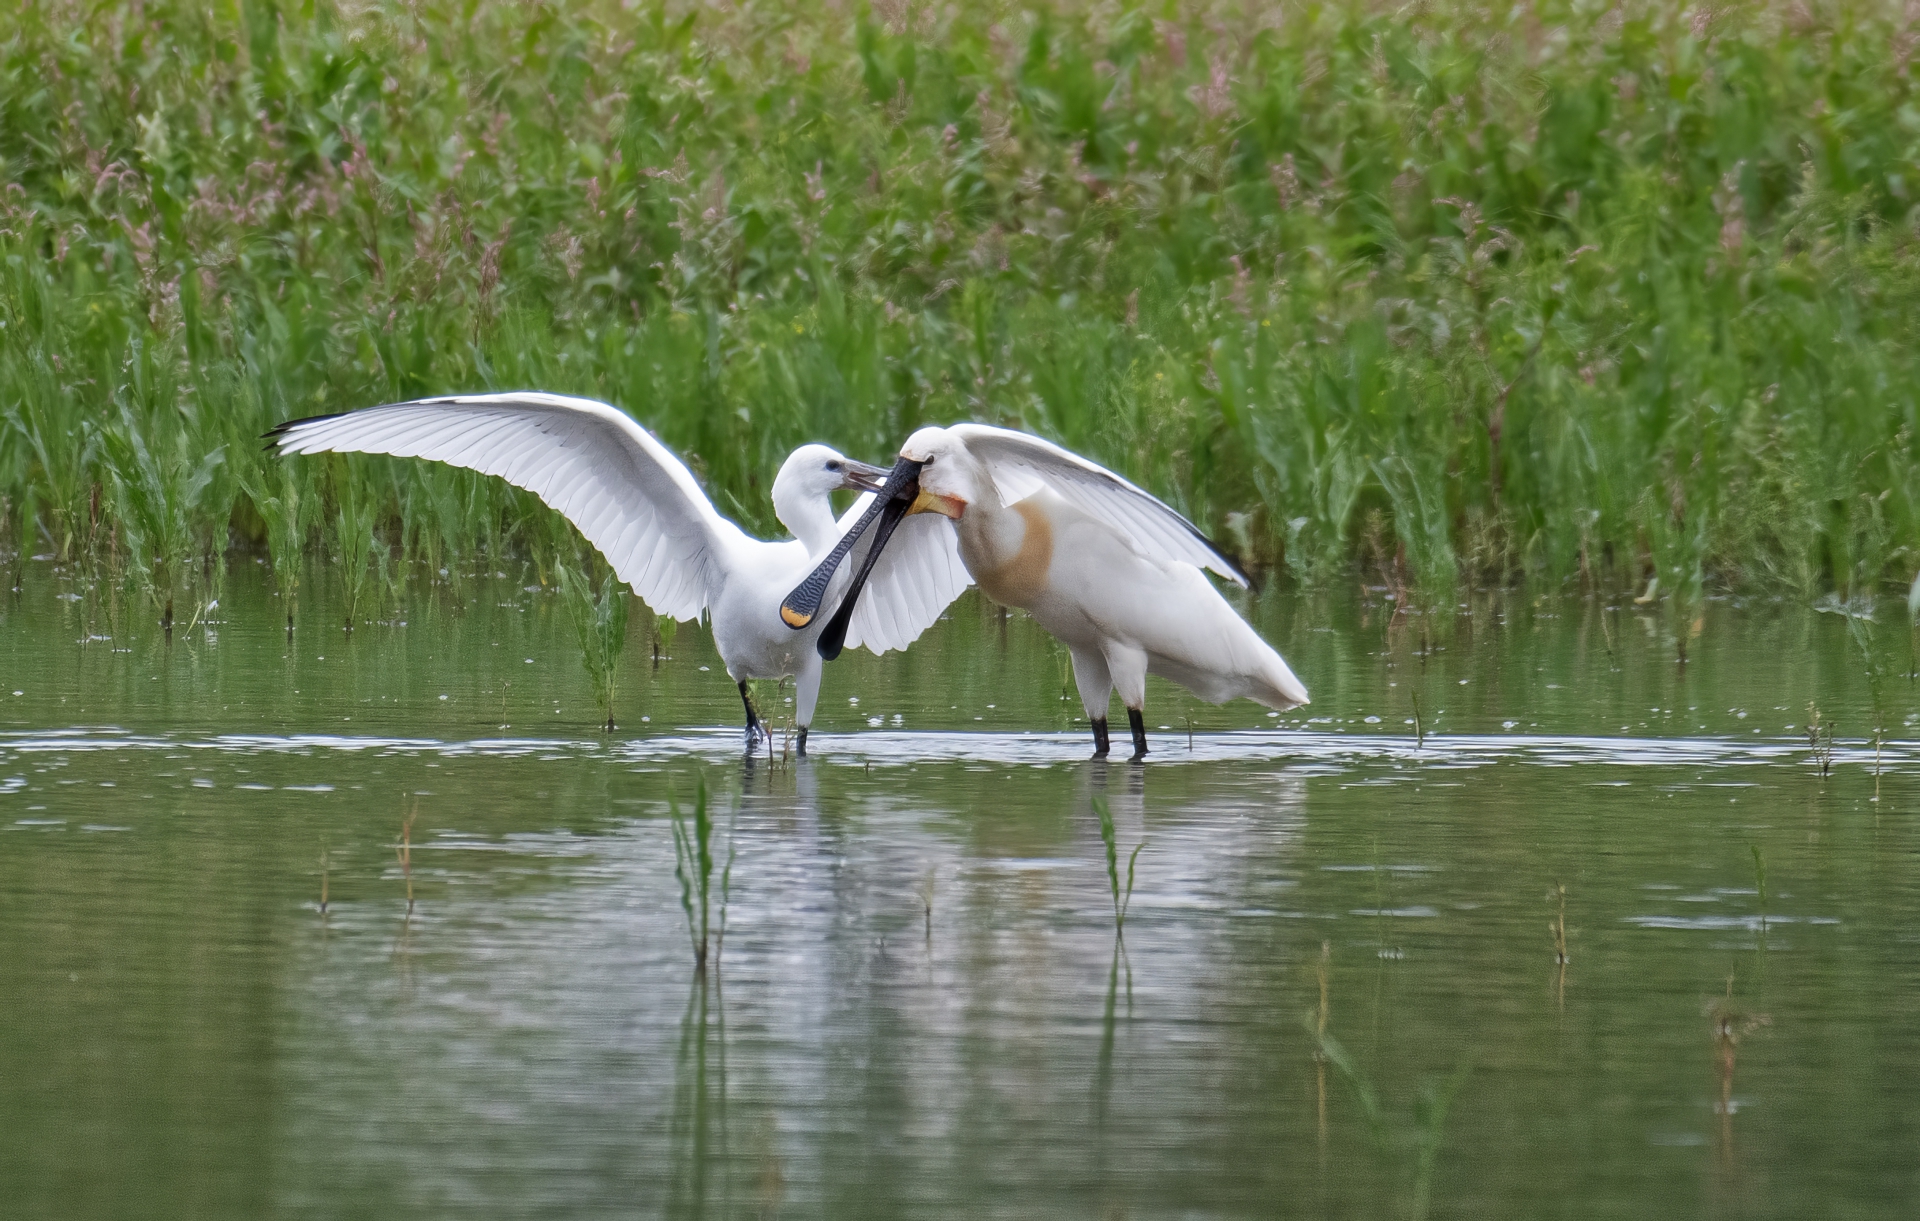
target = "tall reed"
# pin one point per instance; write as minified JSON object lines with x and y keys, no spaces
{"x":600,"y":624}
{"x":1560,"y":292}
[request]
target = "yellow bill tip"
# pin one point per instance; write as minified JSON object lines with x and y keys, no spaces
{"x":946,"y":506}
{"x":793,"y":618}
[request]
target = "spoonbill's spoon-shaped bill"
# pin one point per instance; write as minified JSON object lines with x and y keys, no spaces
{"x":640,"y":506}
{"x":889,"y":503}
{"x":834,"y":636}
{"x":1110,"y":570}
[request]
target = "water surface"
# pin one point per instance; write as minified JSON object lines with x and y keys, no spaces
{"x":1734,"y":1032}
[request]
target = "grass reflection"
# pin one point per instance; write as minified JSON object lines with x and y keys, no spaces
{"x":693,"y":868}
{"x":1560,"y":956}
{"x":700,"y":1136}
{"x":1728,"y":1022}
{"x":1409,"y":1151}
{"x":1103,"y":1075}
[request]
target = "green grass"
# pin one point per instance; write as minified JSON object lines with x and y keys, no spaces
{"x":600,"y":623}
{"x":1556,"y":293}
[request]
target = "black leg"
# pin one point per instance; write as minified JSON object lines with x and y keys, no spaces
{"x":1138,"y":724}
{"x":753,"y":722}
{"x":1100,"y":738}
{"x":800,"y":746}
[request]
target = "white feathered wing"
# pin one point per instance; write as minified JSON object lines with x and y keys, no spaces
{"x":590,"y":462}
{"x":1021,"y":463}
{"x":917,"y":576}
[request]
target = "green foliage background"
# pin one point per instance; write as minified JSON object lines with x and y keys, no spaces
{"x":1552,"y":292}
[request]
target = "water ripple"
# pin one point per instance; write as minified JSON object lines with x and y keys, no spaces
{"x":1311,"y":752}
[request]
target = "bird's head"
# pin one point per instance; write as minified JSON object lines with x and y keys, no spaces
{"x":820,"y":470}
{"x":803,"y":491}
{"x":948,"y":474}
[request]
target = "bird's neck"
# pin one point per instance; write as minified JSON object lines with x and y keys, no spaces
{"x":1009,"y":550}
{"x":990,"y":532}
{"x":810,"y":519}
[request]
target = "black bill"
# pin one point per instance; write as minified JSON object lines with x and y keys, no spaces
{"x":890,"y":503}
{"x":833,"y":637}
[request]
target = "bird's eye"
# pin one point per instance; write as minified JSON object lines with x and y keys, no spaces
{"x":833,"y":466}
{"x":926,"y":464}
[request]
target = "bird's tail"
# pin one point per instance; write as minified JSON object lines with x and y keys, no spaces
{"x":1276,"y":685}
{"x":1257,"y":673}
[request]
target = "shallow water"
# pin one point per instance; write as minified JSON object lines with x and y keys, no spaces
{"x":185,"y":1031}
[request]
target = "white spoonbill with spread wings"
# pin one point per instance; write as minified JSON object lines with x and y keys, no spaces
{"x":640,"y":506}
{"x":1111,"y":571}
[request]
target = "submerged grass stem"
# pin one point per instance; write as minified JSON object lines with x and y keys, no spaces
{"x":1121,"y":899}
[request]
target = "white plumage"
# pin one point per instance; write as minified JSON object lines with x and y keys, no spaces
{"x":1111,"y":571}
{"x":641,"y":507}
{"x":1021,"y":464}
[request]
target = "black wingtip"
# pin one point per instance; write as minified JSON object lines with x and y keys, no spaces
{"x":1219,"y":552}
{"x":1232,"y":564}
{"x":272,"y":435}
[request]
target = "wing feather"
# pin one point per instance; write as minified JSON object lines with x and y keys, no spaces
{"x":622,"y":549}
{"x":623,"y":489}
{"x":474,"y":446}
{"x":916,"y":578}
{"x":1021,"y":462}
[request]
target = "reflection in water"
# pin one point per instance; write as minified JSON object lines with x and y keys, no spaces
{"x":325,"y":872}
{"x":1103,"y":1077}
{"x":1323,"y":971}
{"x":923,"y":1008}
{"x":1560,"y":956}
{"x":403,"y":851}
{"x":1729,"y":1023}
{"x":699,"y":1130}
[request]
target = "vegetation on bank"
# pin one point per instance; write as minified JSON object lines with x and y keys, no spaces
{"x":1562,"y":292}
